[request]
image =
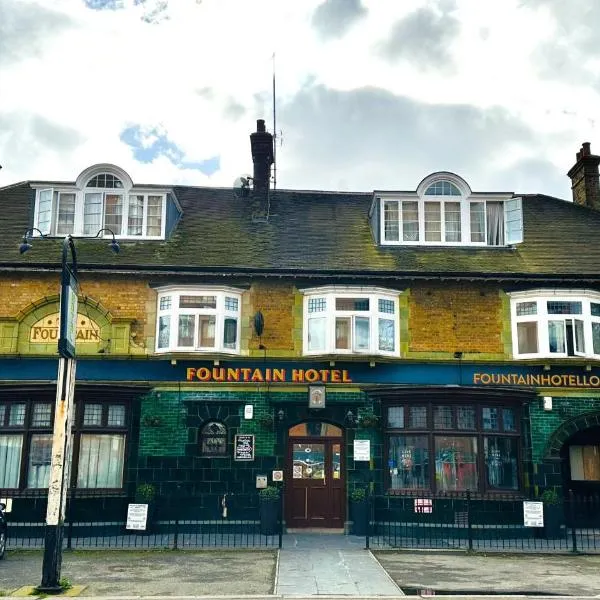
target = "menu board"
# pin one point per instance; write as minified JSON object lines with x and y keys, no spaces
{"x":243,"y":448}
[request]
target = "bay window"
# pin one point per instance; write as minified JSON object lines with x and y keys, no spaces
{"x":345,"y":320}
{"x":452,"y":447}
{"x":198,"y":319}
{"x":556,"y":323}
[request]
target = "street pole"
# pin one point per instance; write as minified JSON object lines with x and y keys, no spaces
{"x":63,"y":414}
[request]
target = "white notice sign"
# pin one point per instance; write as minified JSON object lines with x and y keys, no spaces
{"x":362,"y":450}
{"x":137,"y":515}
{"x":533,"y":514}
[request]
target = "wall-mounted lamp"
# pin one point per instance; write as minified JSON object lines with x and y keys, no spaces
{"x":280,"y":415}
{"x":588,"y":367}
{"x":458,"y":355}
{"x":350,"y":418}
{"x":259,"y":327}
{"x":546,"y":367}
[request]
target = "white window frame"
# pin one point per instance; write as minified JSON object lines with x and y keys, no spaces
{"x":329,"y":295}
{"x":542,"y":318}
{"x":80,"y":189}
{"x":513,"y":217}
{"x":220,"y":313}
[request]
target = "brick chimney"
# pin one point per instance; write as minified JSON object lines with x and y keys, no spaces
{"x":261,"y":143}
{"x":585,"y":181}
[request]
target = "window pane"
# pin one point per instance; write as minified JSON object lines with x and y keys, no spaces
{"x":556,"y":336}
{"x":116,"y":415}
{"x":185,"y":330}
{"x":101,"y":461}
{"x":408,"y":460}
{"x":396,"y":416}
{"x":596,"y":337}
{"x":2,"y":414}
{"x":526,"y":308}
{"x":316,"y":334}
{"x":527,"y":337}
{"x":308,"y":461}
{"x":490,"y":419}
{"x":465,"y":417}
{"x":442,"y":417}
{"x":508,"y":419}
{"x":352,"y":304}
{"x":92,"y":414}
{"x":164,"y":331}
{"x":154,"y":220}
{"x":66,"y":213}
{"x":417,"y":417}
{"x":391,"y":224}
{"x":11,"y":447}
{"x":433,"y":222}
{"x":477,"y":210}
{"x":45,"y":210}
{"x":206,"y":331}
{"x":456,"y":463}
{"x":231,"y":304}
{"x":579,"y":337}
{"x":113,"y":212}
{"x":500,"y":455}
{"x":452,"y":221}
{"x":563,"y":308}
{"x":230,"y":333}
{"x":361,"y":333}
{"x":135,"y":220}
{"x":40,"y":459}
{"x":342,"y":333}
{"x":387,"y":335}
{"x":317,"y":305}
{"x":42,"y":413}
{"x":165,"y":303}
{"x":585,"y":463}
{"x":17,"y":415}
{"x":198,"y":302}
{"x":410,"y":221}
{"x":495,"y":223}
{"x":595,"y":309}
{"x":386,"y":306}
{"x":92,"y":214}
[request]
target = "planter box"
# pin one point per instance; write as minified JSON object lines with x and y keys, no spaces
{"x":269,"y":517}
{"x":359,"y":513}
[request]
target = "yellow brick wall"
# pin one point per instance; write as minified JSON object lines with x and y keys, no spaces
{"x":123,"y":297}
{"x":455,"y":318}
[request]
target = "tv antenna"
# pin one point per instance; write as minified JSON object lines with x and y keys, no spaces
{"x":276,"y":136}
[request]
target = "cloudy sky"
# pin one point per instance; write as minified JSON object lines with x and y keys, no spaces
{"x":371,"y":94}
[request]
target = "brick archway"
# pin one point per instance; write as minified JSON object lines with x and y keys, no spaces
{"x":567,"y":430}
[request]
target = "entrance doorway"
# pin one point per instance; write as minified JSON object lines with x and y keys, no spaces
{"x":315,"y":476}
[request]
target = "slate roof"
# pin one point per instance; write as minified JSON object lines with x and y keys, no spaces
{"x":316,"y":233}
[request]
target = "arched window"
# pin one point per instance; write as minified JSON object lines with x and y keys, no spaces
{"x":442,"y":188}
{"x":213,"y":439}
{"x":105,"y":180}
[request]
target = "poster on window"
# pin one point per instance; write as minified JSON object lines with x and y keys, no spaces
{"x":137,"y":516}
{"x":533,"y":514}
{"x":244,"y":447}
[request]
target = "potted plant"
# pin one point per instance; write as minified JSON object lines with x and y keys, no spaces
{"x":269,"y":508}
{"x":265,"y":421}
{"x":145,"y":493}
{"x":359,"y":511}
{"x":553,"y":513}
{"x":368,"y":419}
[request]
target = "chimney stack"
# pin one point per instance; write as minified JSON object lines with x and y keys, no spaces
{"x":261,"y":143}
{"x":585,"y":181}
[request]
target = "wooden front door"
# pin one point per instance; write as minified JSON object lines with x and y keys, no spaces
{"x":315,"y":477}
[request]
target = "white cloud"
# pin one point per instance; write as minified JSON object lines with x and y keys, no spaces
{"x":200,"y":73}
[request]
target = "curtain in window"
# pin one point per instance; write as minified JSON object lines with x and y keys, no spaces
{"x":164,"y":331}
{"x":113,"y":212}
{"x":92,"y":213}
{"x":500,"y":456}
{"x":495,"y":223}
{"x":387,"y":335}
{"x":527,"y":337}
{"x":433,"y":222}
{"x":154,"y":221}
{"x":316,"y":334}
{"x":556,"y":336}
{"x":66,"y":214}
{"x":230,"y":333}
{"x":456,"y":463}
{"x":10,"y":460}
{"x":361,"y":333}
{"x":409,"y":462}
{"x":186,"y":330}
{"x":391,"y":221}
{"x":410,"y":221}
{"x":136,"y":215}
{"x":101,"y":461}
{"x":40,"y":458}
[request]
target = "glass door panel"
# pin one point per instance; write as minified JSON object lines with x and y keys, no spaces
{"x":309,"y":461}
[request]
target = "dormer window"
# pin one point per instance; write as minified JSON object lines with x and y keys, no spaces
{"x":444,"y":211}
{"x":101,"y":198}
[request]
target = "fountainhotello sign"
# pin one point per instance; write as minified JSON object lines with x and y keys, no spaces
{"x":537,"y":380}
{"x":46,"y":330}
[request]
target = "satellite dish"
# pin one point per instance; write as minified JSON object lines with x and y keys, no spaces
{"x":242,"y":186}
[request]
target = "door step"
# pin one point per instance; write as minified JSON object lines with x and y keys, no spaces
{"x":332,"y":530}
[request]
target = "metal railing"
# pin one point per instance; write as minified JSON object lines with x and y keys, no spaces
{"x":232,"y":521}
{"x":472,"y":522}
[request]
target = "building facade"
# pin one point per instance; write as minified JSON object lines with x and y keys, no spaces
{"x":242,"y":332}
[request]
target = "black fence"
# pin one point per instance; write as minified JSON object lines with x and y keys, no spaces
{"x":482,"y":523}
{"x":225,"y":521}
